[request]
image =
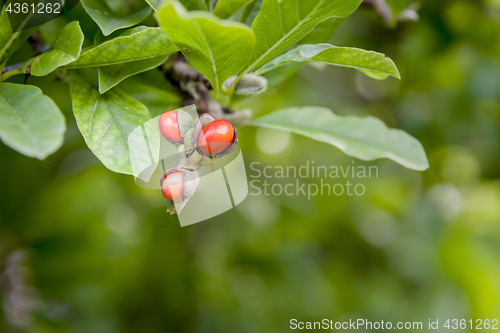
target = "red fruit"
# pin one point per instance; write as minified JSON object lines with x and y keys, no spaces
{"x":172,"y":186}
{"x":169,"y":127}
{"x":216,"y":137}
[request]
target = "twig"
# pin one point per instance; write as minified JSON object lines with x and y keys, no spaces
{"x":194,"y":88}
{"x":36,"y":45}
{"x":12,"y":67}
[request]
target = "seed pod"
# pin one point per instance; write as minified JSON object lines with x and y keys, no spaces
{"x":169,"y":126}
{"x":175,"y":125}
{"x":214,"y":138}
{"x":172,"y":185}
{"x":178,"y":185}
{"x":203,"y":121}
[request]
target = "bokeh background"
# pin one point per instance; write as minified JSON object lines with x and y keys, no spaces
{"x":85,"y":250}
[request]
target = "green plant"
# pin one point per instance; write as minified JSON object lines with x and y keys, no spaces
{"x":212,"y":56}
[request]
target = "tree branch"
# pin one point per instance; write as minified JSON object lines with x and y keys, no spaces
{"x":194,"y":88}
{"x":12,"y":67}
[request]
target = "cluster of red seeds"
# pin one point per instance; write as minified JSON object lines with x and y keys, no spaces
{"x":215,"y":138}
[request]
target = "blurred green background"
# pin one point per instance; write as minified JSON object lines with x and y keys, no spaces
{"x":85,"y":250}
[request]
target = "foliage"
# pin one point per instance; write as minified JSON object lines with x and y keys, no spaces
{"x":364,"y":138}
{"x":106,"y":121}
{"x":222,"y":50}
{"x":199,"y":37}
{"x":33,"y":132}
{"x":83,"y":249}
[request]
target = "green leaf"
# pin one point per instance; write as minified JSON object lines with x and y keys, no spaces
{"x":227,"y":8}
{"x":376,"y":65}
{"x":365,"y":138}
{"x":251,"y":11}
{"x":110,"y":21}
{"x":152,"y":90}
{"x":135,"y":44}
{"x":218,"y":49}
{"x":188,"y":4}
{"x":106,"y":121}
{"x":10,"y":40}
{"x":322,"y":33}
{"x":155,"y":4}
{"x":110,"y":76}
{"x":281,"y":24}
{"x":30,"y":122}
{"x":66,"y":49}
{"x":194,"y":4}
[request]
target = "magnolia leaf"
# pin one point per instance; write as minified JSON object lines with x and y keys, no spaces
{"x":251,"y":11}
{"x":135,"y":44}
{"x":110,"y":76}
{"x":152,"y":90}
{"x":188,"y":4}
{"x":155,"y":4}
{"x":108,"y":20}
{"x":65,"y":49}
{"x":194,"y":4}
{"x":10,"y":40}
{"x":218,"y":49}
{"x":282,"y":23}
{"x":365,"y":138}
{"x":30,"y":122}
{"x":227,"y":8}
{"x":321,"y":34}
{"x":106,"y":121}
{"x":376,"y":65}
